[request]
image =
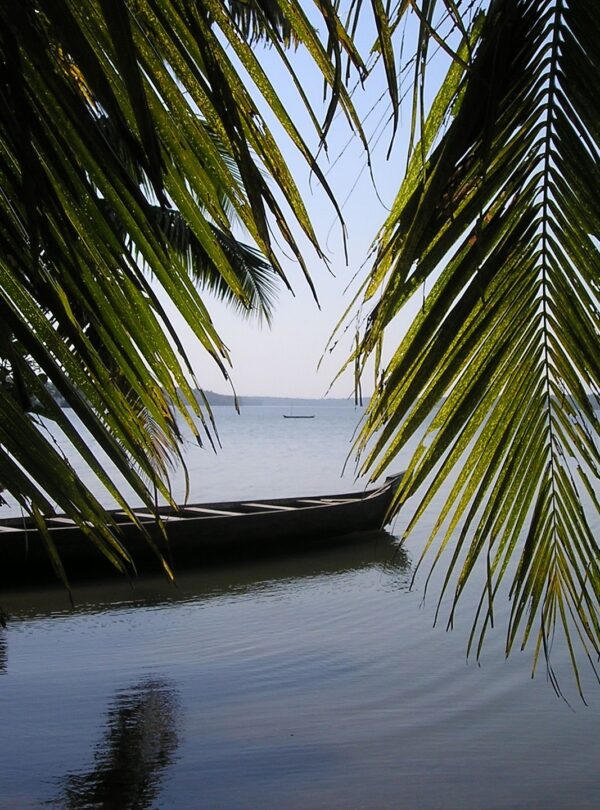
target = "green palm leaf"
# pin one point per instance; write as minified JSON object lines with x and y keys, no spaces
{"x":501,"y":364}
{"x":256,"y":283}
{"x":130,"y":146}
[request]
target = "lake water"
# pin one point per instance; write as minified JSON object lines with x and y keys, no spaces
{"x":313,"y":681}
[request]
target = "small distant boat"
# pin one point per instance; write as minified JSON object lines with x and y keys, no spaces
{"x":292,"y":415}
{"x":197,"y":533}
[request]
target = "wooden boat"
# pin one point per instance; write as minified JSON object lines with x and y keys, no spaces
{"x":197,"y":533}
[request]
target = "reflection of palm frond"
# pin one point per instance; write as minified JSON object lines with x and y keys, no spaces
{"x":506,"y":342}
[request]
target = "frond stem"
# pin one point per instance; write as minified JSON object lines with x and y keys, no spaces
{"x":546,"y":206}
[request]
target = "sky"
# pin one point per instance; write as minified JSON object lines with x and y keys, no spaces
{"x":282,"y":360}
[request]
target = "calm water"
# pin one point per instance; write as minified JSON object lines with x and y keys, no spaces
{"x":314,"y":681}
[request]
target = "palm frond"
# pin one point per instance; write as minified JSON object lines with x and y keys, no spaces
{"x":255,"y":277}
{"x":262,"y":21}
{"x":78,"y":203}
{"x":500,"y":367}
{"x":254,"y":293}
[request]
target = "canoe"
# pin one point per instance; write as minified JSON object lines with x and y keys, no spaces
{"x":298,"y":416}
{"x":197,"y":533}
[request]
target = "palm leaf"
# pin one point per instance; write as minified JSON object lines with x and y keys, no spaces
{"x":130,"y":145}
{"x":499,"y":364}
{"x":254,"y":275}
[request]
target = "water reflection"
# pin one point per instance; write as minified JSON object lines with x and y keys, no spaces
{"x":3,"y":651}
{"x":130,"y":761}
{"x":378,"y":549}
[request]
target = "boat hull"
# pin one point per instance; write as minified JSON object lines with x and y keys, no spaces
{"x":199,"y":534}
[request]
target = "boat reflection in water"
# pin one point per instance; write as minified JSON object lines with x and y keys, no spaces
{"x":139,"y":743}
{"x":367,"y":549}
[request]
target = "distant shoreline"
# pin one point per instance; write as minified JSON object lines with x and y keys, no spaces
{"x":228,"y":400}
{"x":214,"y":399}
